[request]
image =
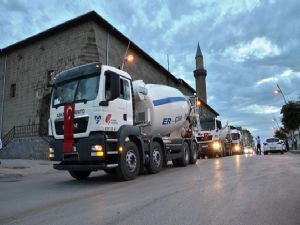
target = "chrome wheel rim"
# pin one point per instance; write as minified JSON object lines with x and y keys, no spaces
{"x":131,"y":160}
{"x":156,"y":158}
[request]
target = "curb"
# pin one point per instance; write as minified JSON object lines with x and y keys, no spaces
{"x":295,"y":151}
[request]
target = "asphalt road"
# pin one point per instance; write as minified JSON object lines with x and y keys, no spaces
{"x":242,"y":190}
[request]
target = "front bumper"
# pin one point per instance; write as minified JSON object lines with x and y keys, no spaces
{"x":208,"y":148}
{"x":83,"y":167}
{"x":83,"y":154}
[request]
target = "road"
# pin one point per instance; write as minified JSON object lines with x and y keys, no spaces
{"x":232,"y":190}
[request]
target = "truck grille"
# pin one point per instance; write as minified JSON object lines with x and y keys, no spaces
{"x":202,"y":138}
{"x":80,"y":125}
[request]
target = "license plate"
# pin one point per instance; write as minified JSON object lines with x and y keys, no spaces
{"x":204,"y":146}
{"x":272,"y":148}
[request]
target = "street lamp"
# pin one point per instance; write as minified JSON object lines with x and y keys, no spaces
{"x":279,"y":91}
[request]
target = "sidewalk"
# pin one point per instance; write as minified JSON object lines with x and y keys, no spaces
{"x":295,"y":151}
{"x":15,"y":169}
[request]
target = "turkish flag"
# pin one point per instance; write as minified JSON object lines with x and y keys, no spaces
{"x":69,"y":127}
{"x":206,"y":137}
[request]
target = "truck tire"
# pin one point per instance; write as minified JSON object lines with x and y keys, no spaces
{"x":194,"y":153}
{"x":80,"y":175}
{"x":155,"y":159}
{"x":185,"y":159}
{"x":110,"y":171}
{"x":129,"y":162}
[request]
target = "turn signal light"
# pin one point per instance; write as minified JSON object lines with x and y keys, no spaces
{"x":120,"y":149}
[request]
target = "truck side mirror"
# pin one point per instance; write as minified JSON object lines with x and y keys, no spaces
{"x":114,"y":86}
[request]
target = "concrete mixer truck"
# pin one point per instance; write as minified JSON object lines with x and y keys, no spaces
{"x":102,"y":120}
{"x":214,"y":139}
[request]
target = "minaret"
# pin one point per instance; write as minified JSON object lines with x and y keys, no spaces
{"x":200,"y":75}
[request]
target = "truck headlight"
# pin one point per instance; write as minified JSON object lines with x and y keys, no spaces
{"x":216,"y":145}
{"x":51,"y":153}
{"x":97,"y":150}
{"x":237,"y":147}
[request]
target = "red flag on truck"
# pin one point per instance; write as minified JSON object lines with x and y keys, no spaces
{"x":68,"y":127}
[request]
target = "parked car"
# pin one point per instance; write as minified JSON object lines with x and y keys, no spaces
{"x":273,"y":145}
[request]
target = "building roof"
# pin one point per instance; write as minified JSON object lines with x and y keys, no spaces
{"x":199,"y":52}
{"x":91,"y":16}
{"x":210,"y":108}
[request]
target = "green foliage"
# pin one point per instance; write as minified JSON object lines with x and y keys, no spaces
{"x":281,"y":134}
{"x":291,"y":115}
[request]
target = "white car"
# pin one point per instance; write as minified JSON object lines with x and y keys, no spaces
{"x":273,"y":145}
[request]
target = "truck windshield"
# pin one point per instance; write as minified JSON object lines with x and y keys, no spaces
{"x":235,"y":136}
{"x":82,"y":89}
{"x":207,"y":125}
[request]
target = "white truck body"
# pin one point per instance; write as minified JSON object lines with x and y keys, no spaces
{"x":101,"y":119}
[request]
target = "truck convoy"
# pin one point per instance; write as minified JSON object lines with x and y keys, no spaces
{"x":213,"y":139}
{"x":102,"y":120}
{"x":237,"y":141}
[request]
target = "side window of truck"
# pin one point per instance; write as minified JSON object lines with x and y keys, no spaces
{"x":219,"y":125}
{"x":107,"y":87}
{"x":125,"y":89}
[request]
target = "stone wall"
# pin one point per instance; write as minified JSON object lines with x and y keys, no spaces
{"x":28,"y":68}
{"x":26,"y":148}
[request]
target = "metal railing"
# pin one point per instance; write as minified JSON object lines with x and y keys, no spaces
{"x":25,"y":131}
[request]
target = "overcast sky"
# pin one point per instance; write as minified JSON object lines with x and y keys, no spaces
{"x":248,"y":46}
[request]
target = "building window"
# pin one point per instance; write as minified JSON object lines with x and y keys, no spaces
{"x":50,"y":77}
{"x":12,"y":90}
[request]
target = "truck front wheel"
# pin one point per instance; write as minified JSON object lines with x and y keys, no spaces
{"x":129,"y":162}
{"x":156,"y":158}
{"x":194,"y":153}
{"x":80,"y":175}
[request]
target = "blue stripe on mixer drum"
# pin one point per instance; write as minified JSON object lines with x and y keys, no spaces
{"x":168,"y":100}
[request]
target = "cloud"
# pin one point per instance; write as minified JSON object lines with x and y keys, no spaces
{"x":267,"y":80}
{"x":261,"y":109}
{"x":258,"y":48}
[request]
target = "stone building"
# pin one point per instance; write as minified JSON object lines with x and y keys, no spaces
{"x":27,"y":67}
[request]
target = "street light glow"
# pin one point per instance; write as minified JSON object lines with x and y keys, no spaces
{"x":130,"y":58}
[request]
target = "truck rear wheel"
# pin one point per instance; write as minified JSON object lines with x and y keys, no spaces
{"x":129,"y":162}
{"x":185,"y":159}
{"x":155,"y":158}
{"x":80,"y":175}
{"x":194,"y":153}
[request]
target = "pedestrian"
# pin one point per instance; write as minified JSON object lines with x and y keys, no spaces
{"x":0,"y":144}
{"x":258,"y":148}
{"x":287,"y":147}
{"x":295,"y":143}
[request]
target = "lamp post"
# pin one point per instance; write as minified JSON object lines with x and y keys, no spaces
{"x":279,"y":91}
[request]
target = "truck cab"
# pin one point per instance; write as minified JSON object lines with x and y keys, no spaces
{"x":209,"y":137}
{"x":237,"y":143}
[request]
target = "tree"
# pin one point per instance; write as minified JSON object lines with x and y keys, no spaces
{"x":291,"y":115}
{"x":281,"y":134}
